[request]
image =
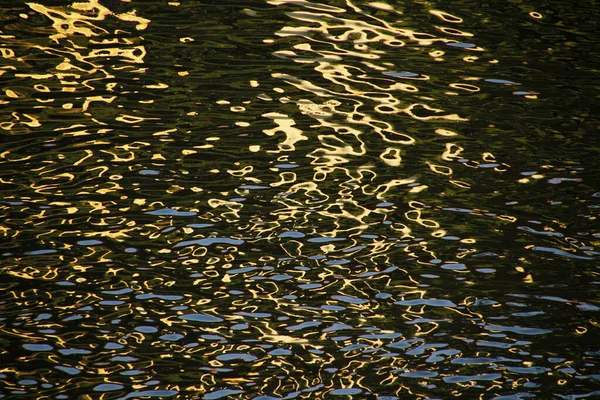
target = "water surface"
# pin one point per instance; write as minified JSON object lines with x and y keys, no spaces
{"x":299,"y":199}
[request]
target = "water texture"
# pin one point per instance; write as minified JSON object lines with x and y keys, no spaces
{"x":288,"y":199}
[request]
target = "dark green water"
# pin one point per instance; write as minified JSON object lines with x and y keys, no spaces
{"x":295,"y":199}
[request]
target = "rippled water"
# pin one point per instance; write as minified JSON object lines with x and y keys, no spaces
{"x":299,"y":199}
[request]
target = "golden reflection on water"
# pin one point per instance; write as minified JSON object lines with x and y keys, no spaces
{"x":288,"y":280}
{"x":359,"y":88}
{"x":79,"y":66}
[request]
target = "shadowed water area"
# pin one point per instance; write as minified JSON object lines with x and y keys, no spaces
{"x":281,"y":199}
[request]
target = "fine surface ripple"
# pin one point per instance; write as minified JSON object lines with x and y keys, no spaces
{"x":287,"y":199}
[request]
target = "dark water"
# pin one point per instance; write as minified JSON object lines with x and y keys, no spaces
{"x":299,"y":199}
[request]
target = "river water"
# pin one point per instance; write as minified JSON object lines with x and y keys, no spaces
{"x":299,"y":199}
